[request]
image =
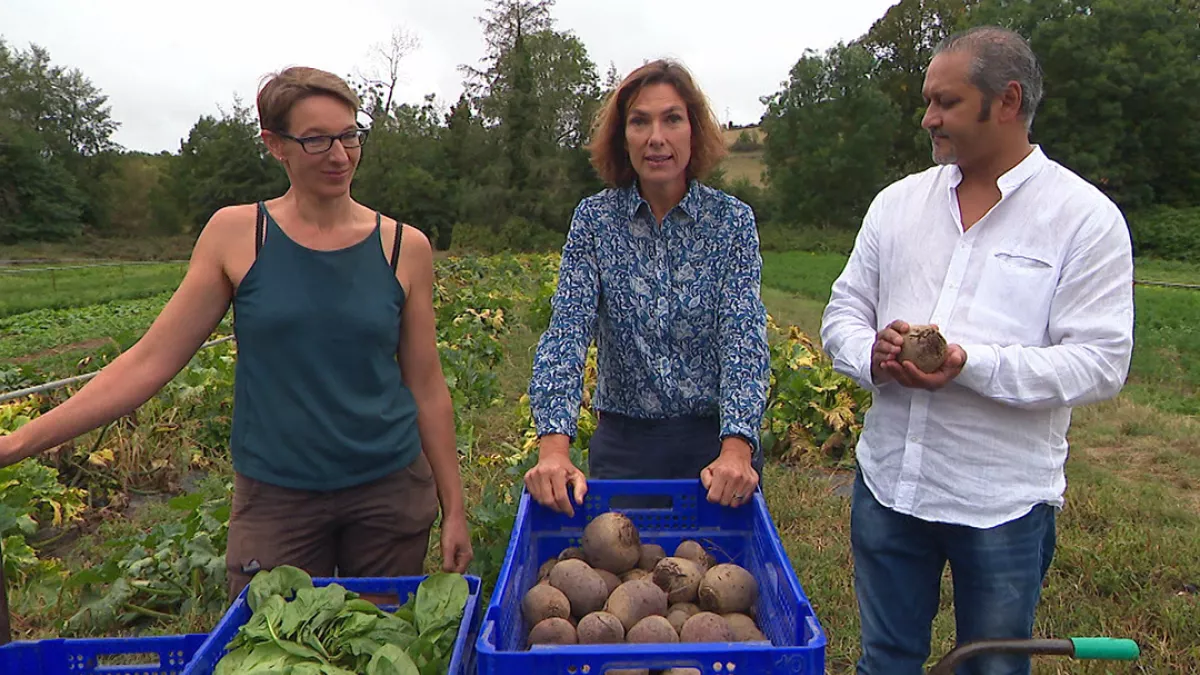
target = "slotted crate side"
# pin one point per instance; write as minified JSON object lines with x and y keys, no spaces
{"x":746,"y":536}
{"x":792,"y":618}
{"x":65,"y":656}
{"x":210,"y":653}
{"x":519,"y":570}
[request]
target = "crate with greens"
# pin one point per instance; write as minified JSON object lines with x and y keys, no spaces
{"x":286,"y":622}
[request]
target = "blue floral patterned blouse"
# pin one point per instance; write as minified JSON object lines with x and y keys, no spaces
{"x":679,"y":324}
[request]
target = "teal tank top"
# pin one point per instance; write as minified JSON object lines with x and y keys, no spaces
{"x":319,"y":401}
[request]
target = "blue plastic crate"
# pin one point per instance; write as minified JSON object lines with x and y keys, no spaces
{"x":210,"y":653}
{"x":159,"y":655}
{"x":745,"y":535}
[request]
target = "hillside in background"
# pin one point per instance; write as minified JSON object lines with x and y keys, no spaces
{"x":745,"y":159}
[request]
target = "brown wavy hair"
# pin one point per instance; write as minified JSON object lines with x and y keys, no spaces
{"x":607,"y":146}
{"x":283,"y":90}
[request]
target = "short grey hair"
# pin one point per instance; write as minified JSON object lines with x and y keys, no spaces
{"x":999,"y":56}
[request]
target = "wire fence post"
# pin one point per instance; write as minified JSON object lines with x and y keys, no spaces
{"x":5,"y":619}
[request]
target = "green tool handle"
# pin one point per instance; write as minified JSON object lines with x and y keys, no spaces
{"x":1112,"y":649}
{"x":1109,"y":649}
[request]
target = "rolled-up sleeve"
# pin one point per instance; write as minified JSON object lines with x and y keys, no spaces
{"x":745,"y":355}
{"x":556,"y":385}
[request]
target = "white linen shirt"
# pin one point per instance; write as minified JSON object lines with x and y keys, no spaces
{"x":1039,"y":293}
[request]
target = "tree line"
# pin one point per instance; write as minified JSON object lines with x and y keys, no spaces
{"x":504,"y":165}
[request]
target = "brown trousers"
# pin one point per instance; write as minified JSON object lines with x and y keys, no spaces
{"x":380,"y":529}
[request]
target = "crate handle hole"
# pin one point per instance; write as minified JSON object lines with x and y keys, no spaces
{"x":640,"y":502}
{"x":140,"y":659}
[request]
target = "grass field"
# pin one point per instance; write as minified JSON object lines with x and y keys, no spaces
{"x":748,"y":165}
{"x":755,"y":132}
{"x":1128,"y":561}
{"x":63,"y":286}
{"x":175,"y":247}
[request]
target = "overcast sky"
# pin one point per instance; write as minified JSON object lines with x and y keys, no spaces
{"x":164,"y":63}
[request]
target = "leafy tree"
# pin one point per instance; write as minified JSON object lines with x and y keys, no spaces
{"x":536,"y":93}
{"x":826,"y":138}
{"x":902,"y":42}
{"x":223,"y":162}
{"x":60,"y":105}
{"x":403,"y":171}
{"x":39,"y":198}
{"x":128,"y":193}
{"x":56,"y":129}
{"x":1120,"y":106}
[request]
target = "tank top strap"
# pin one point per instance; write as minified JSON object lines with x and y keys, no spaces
{"x":260,"y":222}
{"x":396,"y":237}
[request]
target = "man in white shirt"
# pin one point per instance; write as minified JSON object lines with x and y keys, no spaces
{"x":1027,"y":270}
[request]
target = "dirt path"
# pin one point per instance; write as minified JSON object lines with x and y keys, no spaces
{"x":73,"y":346}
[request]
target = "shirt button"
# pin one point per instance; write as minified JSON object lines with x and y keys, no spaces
{"x":914,"y":439}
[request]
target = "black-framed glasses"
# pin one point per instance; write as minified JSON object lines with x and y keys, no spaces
{"x":315,"y":145}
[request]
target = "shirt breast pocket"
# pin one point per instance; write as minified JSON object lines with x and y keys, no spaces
{"x":1012,"y":301}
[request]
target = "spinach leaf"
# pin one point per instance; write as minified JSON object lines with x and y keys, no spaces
{"x":440,"y":601}
{"x":391,"y":660}
{"x":284,"y":580}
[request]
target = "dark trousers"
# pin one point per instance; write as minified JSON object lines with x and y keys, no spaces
{"x":380,"y":529}
{"x":648,"y":449}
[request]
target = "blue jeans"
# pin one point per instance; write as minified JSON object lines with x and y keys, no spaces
{"x":898,"y":563}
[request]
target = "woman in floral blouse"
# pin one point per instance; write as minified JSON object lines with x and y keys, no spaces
{"x":664,"y":272}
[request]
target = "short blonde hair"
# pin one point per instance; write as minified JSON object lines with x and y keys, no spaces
{"x":283,"y":90}
{"x":607,"y":146}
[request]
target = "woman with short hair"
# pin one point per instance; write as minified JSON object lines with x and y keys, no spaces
{"x":343,"y":427}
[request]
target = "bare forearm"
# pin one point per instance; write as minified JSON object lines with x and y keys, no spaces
{"x":119,"y":389}
{"x":436,"y":421}
{"x":554,"y":444}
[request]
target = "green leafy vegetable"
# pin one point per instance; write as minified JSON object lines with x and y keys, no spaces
{"x":284,"y":580}
{"x":298,"y":629}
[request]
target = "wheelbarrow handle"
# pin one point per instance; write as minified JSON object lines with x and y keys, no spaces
{"x":1112,"y":649}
